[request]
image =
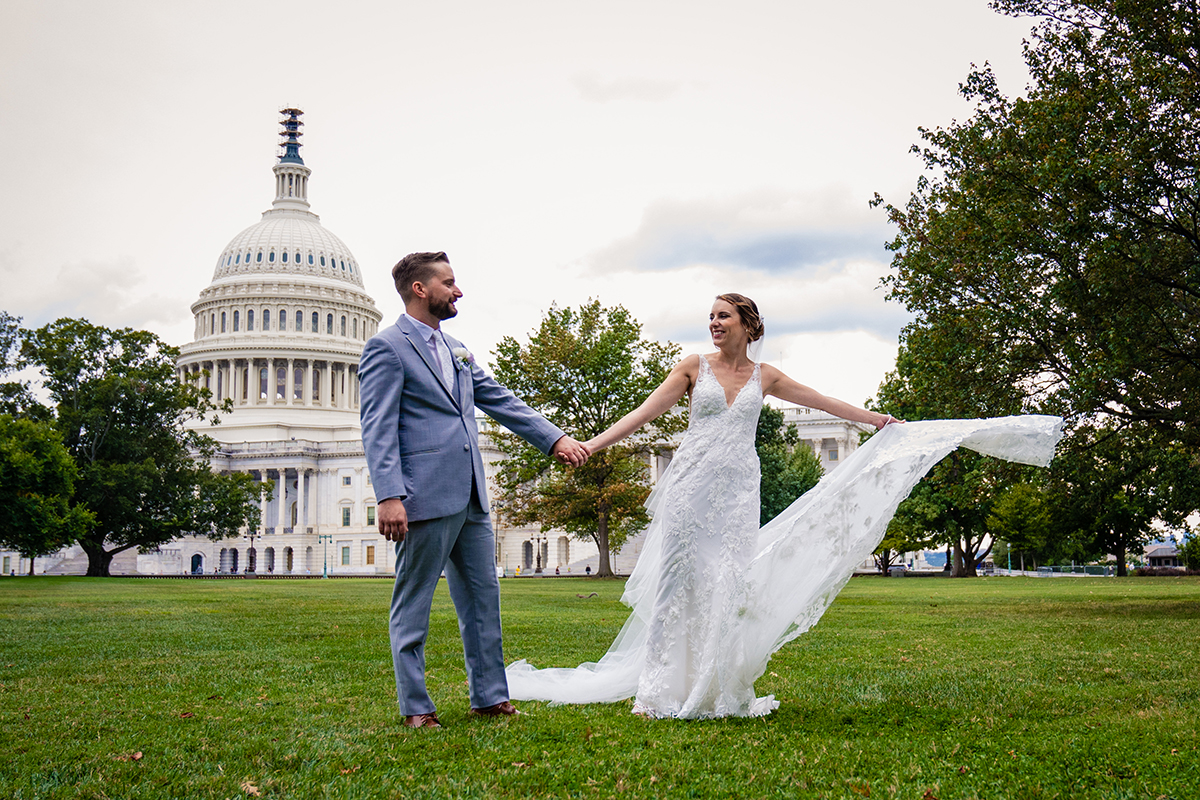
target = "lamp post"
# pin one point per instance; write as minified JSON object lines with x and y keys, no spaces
{"x":251,"y":556}
{"x":538,"y":538}
{"x":326,"y":538}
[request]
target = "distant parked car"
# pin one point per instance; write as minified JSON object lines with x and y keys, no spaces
{"x":897,"y":571}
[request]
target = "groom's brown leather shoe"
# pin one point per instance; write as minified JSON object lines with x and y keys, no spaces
{"x":505,"y":709}
{"x":429,"y":720}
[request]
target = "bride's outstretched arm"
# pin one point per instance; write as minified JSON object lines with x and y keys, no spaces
{"x":660,"y":401}
{"x":777,"y":384}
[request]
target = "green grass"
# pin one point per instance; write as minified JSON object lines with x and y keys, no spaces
{"x":908,"y":688}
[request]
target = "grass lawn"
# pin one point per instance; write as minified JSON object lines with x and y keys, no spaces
{"x":908,"y":688}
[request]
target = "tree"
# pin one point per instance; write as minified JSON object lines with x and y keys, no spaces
{"x":121,"y":412}
{"x":1108,"y":492}
{"x":787,"y":471}
{"x":1189,"y":551}
{"x":935,"y":379}
{"x":584,"y":369}
{"x":37,"y":478}
{"x":1021,"y":519}
{"x":1058,"y":239}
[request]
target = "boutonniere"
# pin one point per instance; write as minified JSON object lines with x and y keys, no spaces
{"x":463,"y":356}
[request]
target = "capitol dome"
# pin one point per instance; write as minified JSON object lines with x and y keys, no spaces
{"x":280,"y":328}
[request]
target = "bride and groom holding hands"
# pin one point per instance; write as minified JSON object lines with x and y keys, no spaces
{"x":713,"y":594}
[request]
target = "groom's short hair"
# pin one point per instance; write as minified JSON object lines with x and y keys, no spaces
{"x":415,"y":268}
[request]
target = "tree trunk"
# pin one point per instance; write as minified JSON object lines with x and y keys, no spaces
{"x":604,"y":568}
{"x":31,"y":566}
{"x":958,"y":570}
{"x":99,"y":559}
{"x":1122,"y":571}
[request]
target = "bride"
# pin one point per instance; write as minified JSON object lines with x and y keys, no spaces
{"x":713,"y":595}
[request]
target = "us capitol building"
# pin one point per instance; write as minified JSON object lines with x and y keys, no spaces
{"x":279,"y":332}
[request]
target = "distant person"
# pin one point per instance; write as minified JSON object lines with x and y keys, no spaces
{"x":588,"y":569}
{"x":713,"y":595}
{"x":419,"y":389}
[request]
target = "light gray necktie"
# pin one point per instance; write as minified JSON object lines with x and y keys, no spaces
{"x":447,"y":361}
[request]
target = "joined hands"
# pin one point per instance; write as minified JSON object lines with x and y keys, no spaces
{"x":569,"y":451}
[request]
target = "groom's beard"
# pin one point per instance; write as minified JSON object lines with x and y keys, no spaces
{"x":443,"y":310}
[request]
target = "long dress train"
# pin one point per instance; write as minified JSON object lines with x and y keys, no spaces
{"x":713,"y":596}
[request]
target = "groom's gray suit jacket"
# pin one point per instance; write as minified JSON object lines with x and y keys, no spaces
{"x":420,"y":436}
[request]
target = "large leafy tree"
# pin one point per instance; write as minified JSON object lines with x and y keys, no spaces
{"x":935,"y":378}
{"x":1110,"y":495}
{"x":142,"y":473}
{"x":788,"y":471}
{"x":37,"y":478}
{"x":584,"y":369}
{"x":1056,"y":237}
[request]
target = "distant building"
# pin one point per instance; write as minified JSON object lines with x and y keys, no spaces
{"x":1163,"y":554}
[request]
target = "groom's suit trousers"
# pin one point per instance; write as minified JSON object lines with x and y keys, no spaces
{"x":464,"y":545}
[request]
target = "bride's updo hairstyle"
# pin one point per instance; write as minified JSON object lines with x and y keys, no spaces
{"x":747,"y":311}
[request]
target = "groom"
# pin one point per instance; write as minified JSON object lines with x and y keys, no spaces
{"x":419,"y":389}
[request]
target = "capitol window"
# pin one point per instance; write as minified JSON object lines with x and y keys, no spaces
{"x":316,"y":385}
{"x":322,"y":261}
{"x":329,"y":324}
{"x":310,"y":259}
{"x":283,"y":319}
{"x":238,"y":260}
{"x":343,"y":326}
{"x":222,"y":322}
{"x":262,"y":383}
{"x":298,"y":384}
{"x":281,"y":383}
{"x":259,"y":259}
{"x":355,"y":327}
{"x":299,"y":321}
{"x":297,"y":258}
{"x":343,"y":266}
{"x":236,"y":321}
{"x":266,"y":319}
{"x":271,"y":257}
{"x":228,"y":260}
{"x":351,"y":267}
{"x":250,"y":320}
{"x":316,"y":322}
{"x":285,"y":254}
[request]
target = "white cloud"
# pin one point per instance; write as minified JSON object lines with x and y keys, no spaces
{"x":105,"y":293}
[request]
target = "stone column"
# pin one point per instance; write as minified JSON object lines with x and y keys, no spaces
{"x":262,"y":480}
{"x":282,"y":494}
{"x":270,"y":381}
{"x":301,"y":501}
{"x":306,"y":389}
{"x":289,"y":384}
{"x":327,"y":385}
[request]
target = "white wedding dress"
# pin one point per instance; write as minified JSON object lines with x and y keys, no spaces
{"x":714,"y":596}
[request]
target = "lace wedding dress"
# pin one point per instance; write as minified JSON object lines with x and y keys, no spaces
{"x":713,"y":596}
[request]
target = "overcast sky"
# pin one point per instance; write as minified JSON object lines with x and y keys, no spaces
{"x":650,"y":154}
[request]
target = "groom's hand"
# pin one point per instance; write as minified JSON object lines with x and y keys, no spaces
{"x":569,"y":451}
{"x":393,"y":519}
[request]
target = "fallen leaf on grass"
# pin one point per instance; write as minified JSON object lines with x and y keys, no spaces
{"x":250,"y":788}
{"x":929,"y":795}
{"x":861,"y":789}
{"x":350,"y":770}
{"x":131,"y":756}
{"x":587,"y":733}
{"x":187,"y":715}
{"x":213,"y":697}
{"x":520,"y":764}
{"x":962,"y":770}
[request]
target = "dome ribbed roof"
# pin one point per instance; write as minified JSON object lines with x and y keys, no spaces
{"x":273,"y":246}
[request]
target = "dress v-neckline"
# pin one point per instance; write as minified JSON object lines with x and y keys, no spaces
{"x":725,"y":393}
